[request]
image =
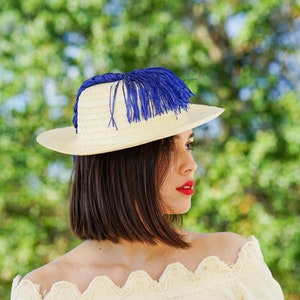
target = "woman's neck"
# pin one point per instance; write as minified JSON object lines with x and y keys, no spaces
{"x":129,"y":253}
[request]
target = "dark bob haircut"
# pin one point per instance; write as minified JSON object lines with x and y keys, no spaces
{"x":116,"y":196}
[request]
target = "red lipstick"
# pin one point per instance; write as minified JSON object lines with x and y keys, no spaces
{"x":186,"y":188}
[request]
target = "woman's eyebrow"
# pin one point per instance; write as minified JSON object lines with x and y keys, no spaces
{"x":190,"y":136}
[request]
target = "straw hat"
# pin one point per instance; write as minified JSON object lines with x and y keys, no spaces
{"x":115,"y":111}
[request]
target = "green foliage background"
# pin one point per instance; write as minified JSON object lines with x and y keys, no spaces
{"x":241,"y":55}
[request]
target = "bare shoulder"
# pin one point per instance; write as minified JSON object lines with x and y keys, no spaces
{"x":48,"y":274}
{"x":228,"y":240}
{"x":225,"y":245}
{"x":75,"y":266}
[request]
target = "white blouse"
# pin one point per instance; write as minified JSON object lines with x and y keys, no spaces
{"x":248,"y":278}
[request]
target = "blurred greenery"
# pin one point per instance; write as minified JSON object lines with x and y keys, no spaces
{"x":241,"y":55}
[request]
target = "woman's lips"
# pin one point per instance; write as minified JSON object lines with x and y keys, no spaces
{"x":186,"y":188}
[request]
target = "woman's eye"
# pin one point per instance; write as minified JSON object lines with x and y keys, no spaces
{"x":189,"y":146}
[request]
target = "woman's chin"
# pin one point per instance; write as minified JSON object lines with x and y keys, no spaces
{"x":178,"y":210}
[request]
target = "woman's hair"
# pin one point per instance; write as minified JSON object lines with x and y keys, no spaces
{"x":116,"y":195}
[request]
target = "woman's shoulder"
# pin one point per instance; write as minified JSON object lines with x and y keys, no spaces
{"x":224,"y":245}
{"x":63,"y":268}
{"x":48,"y":274}
{"x":216,"y":238}
{"x":39,"y":283}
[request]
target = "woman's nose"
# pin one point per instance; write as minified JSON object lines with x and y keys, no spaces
{"x":188,"y":164}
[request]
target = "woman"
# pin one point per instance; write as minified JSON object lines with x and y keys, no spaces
{"x":132,"y":180}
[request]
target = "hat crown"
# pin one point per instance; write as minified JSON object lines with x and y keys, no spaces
{"x":146,"y":93}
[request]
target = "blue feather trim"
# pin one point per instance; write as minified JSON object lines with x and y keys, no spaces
{"x":147,"y":93}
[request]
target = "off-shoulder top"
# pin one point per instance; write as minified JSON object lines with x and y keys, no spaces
{"x":248,"y":278}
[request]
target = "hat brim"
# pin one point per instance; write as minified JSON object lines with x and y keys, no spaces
{"x":65,"y":140}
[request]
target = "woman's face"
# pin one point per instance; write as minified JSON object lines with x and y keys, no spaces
{"x":177,"y":188}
